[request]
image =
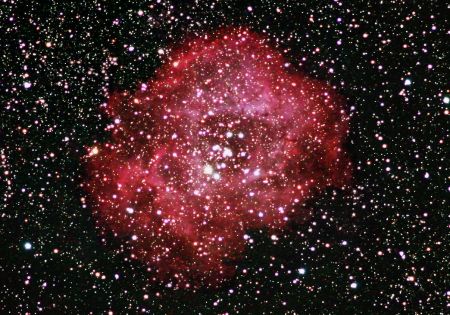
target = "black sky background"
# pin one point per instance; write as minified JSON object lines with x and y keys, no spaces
{"x":384,"y":214}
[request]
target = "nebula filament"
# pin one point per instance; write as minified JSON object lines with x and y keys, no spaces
{"x":225,"y":137}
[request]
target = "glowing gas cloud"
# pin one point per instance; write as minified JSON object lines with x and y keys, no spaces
{"x":225,"y":137}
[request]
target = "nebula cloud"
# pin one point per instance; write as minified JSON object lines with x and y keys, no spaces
{"x":227,"y":136}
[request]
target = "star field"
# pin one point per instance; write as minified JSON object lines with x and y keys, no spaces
{"x":361,"y":114}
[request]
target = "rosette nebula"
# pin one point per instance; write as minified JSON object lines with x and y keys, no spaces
{"x":225,"y":137}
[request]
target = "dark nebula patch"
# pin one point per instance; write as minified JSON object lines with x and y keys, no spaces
{"x":225,"y":137}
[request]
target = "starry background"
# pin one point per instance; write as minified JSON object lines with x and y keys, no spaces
{"x":381,"y":247}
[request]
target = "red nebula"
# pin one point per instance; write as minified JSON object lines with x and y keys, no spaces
{"x":226,"y":137}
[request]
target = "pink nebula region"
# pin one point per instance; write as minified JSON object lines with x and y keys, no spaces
{"x":225,"y":137}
